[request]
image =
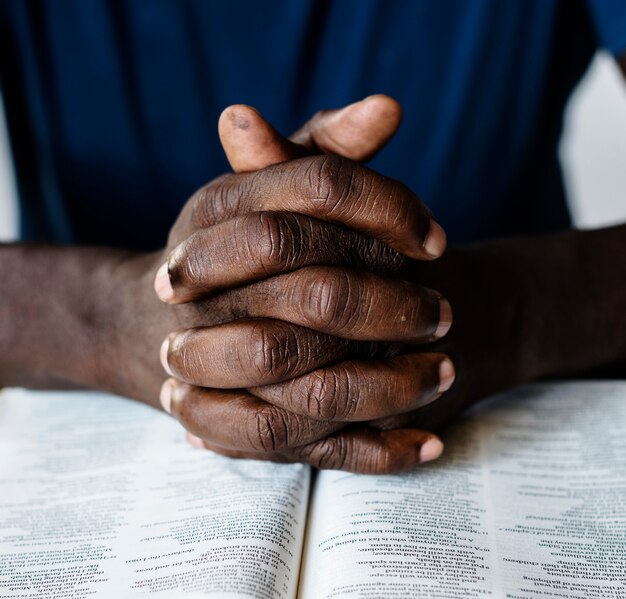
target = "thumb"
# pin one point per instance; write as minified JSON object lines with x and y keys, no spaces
{"x":357,"y":131}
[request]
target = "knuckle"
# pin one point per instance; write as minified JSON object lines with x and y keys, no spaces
{"x":272,"y":239}
{"x":332,"y":180}
{"x":329,"y":395}
{"x":330,"y":300}
{"x":270,"y":351}
{"x":343,"y":452}
{"x":216,"y":201}
{"x":269,"y":430}
{"x":332,"y":453}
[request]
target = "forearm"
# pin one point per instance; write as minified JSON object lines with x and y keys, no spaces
{"x":536,"y":307}
{"x":61,"y":317}
{"x":577,"y":311}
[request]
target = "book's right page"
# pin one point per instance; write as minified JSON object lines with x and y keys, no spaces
{"x":529,"y":501}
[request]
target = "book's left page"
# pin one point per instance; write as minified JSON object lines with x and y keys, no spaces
{"x":101,"y":497}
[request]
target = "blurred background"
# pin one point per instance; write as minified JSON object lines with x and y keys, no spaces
{"x":593,"y":152}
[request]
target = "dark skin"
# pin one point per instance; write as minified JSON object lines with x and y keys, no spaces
{"x":523,"y":309}
{"x":285,"y":422}
{"x":106,"y":339}
{"x":343,"y":385}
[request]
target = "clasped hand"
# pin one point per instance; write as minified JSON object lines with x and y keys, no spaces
{"x":301,"y":321}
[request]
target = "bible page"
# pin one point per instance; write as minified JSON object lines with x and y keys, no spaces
{"x":528,"y":501}
{"x":102,"y":497}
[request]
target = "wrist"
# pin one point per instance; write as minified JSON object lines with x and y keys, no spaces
{"x":130,"y":323}
{"x":491,"y":338}
{"x":538,"y":307}
{"x":46,"y":315}
{"x":68,"y":319}
{"x":576,"y":310}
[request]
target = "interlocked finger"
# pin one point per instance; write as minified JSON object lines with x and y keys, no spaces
{"x":332,"y":189}
{"x":238,"y":421}
{"x":360,"y":390}
{"x":359,"y":450}
{"x":247,"y":353}
{"x":261,"y":244}
{"x":348,"y":303}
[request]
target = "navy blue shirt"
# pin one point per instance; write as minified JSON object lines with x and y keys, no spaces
{"x":112,"y":106}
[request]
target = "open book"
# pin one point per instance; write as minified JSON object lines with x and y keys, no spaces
{"x":101,"y":497}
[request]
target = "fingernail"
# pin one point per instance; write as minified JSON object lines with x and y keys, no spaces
{"x":445,"y":318}
{"x":435,"y":242}
{"x":446,"y":375}
{"x":167,"y":390}
{"x":163,"y":285}
{"x":164,"y":351}
{"x":431,"y":450}
{"x":196,"y":441}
